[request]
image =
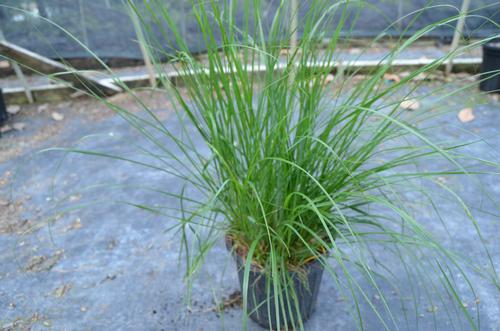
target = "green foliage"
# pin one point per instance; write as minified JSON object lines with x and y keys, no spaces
{"x":293,"y":172}
{"x":299,"y":168}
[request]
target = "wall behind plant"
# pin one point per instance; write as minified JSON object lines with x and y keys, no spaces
{"x":104,"y":25}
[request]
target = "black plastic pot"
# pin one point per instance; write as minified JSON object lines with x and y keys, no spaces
{"x":260,"y":303}
{"x":490,"y":69}
{"x":3,"y":108}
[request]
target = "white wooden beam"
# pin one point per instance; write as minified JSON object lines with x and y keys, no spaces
{"x":43,"y":65}
{"x":58,"y":92}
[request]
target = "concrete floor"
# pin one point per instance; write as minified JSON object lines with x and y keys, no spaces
{"x":112,"y":267}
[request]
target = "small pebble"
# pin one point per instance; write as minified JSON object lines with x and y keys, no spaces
{"x":14,"y":109}
{"x":43,"y":107}
{"x":410,"y":104}
{"x":57,"y":116}
{"x":20,"y":126}
{"x":432,"y":309}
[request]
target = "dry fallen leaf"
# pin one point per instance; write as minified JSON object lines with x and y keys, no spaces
{"x":14,"y":109}
{"x":75,"y":197}
{"x":64,"y":105}
{"x":118,"y":98}
{"x":20,"y":126}
{"x":77,"y":224}
{"x":466,"y":115}
{"x":432,"y":309}
{"x":43,"y":263}
{"x":77,"y":94}
{"x":330,"y":78}
{"x":57,"y":116}
{"x":410,"y":104}
{"x":6,"y":128}
{"x":421,"y":76}
{"x":442,"y":179}
{"x":62,"y":290}
{"x":392,"y":77}
{"x":404,"y":74}
{"x":42,"y":107}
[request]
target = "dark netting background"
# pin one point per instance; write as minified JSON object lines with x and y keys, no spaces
{"x":105,"y":26}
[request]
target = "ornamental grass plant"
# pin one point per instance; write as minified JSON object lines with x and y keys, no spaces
{"x":294,"y":174}
{"x":304,"y":161}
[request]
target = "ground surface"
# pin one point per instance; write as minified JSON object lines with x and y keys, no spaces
{"x":111,"y":267}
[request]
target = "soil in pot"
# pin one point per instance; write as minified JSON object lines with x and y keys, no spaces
{"x":261,"y":302}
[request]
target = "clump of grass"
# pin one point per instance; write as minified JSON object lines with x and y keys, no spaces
{"x":302,"y":165}
{"x":294,"y":171}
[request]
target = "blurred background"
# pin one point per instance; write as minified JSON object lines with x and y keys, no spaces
{"x":104,"y":25}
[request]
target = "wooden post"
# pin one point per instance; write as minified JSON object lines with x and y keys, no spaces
{"x":458,"y":33}
{"x":20,"y":75}
{"x":145,"y":55}
{"x":43,"y":65}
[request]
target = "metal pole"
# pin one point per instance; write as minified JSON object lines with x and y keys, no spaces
{"x":83,"y":23}
{"x":294,"y":30}
{"x":458,"y":33}
{"x":400,"y":14}
{"x":294,"y":24}
{"x":20,"y":76}
{"x":144,"y":51}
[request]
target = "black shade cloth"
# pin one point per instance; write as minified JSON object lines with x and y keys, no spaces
{"x":105,"y":27}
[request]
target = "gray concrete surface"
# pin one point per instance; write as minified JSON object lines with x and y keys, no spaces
{"x":112,"y":267}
